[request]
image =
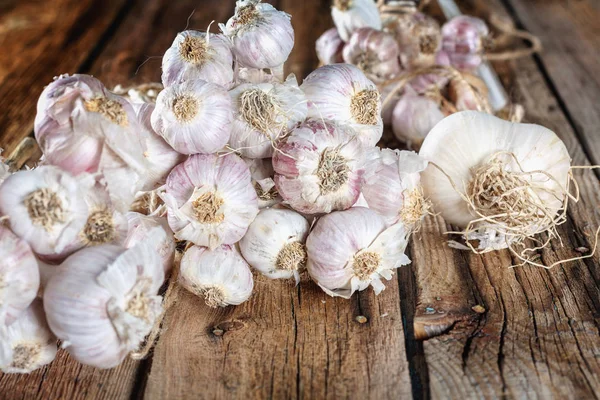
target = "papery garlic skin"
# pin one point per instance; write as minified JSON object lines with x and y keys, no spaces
{"x":351,"y":250}
{"x":104,"y":302}
{"x":414,"y":116}
{"x":275,"y":243}
{"x":259,"y":75}
{"x":193,"y":117}
{"x":319,"y":168}
{"x":342,"y":93}
{"x":27,"y":344}
{"x":263,"y":114}
{"x":262,"y":36}
{"x":45,"y":207}
{"x":19,"y":276}
{"x":210,"y":200}
{"x":329,"y":47}
{"x":221,"y":275}
{"x":376,"y":53}
{"x":198,"y":56}
{"x":464,"y":39}
{"x":350,"y":15}
{"x":262,"y":172}
{"x":392,"y":186}
{"x":154,"y":230}
{"x":161,"y":157}
{"x":466,"y":140}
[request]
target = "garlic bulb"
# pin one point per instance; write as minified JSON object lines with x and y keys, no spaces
{"x":274,"y":244}
{"x":468,"y":92}
{"x":45,"y":207}
{"x":210,"y":200}
{"x":419,"y":38}
{"x":193,"y":116}
{"x":464,"y":39}
{"x":263,"y":114}
{"x":376,"y":53}
{"x":262,"y":172}
{"x":507,"y":180}
{"x":329,"y":47}
{"x":353,"y":249}
{"x":27,"y":344}
{"x":104,"y":302}
{"x":342,"y":93}
{"x":414,"y":116}
{"x":392,"y":186}
{"x":350,"y":15}
{"x":198,"y":56}
{"x":262,"y":36}
{"x":155,"y":231}
{"x":19,"y":276}
{"x":160,"y":156}
{"x":221,"y":275}
{"x":319,"y":168}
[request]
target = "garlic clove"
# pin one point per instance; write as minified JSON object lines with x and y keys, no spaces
{"x":342,"y":93}
{"x":275,"y":243}
{"x":103,"y":302}
{"x":350,"y":15}
{"x":155,"y":231}
{"x":193,"y":116}
{"x":350,"y":250}
{"x":210,"y":199}
{"x":221,"y":275}
{"x":19,"y":276}
{"x":27,"y":344}
{"x":262,"y":36}
{"x":198,"y":56}
{"x":319,"y":168}
{"x":262,"y":172}
{"x":45,"y":207}
{"x":264,"y":113}
{"x":376,"y":53}
{"x":329,"y":47}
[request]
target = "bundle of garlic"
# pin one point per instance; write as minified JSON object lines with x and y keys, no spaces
{"x":423,"y":71}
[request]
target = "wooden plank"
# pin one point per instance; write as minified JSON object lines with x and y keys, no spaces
{"x":539,"y":335}
{"x":571,"y":36}
{"x":42,"y":39}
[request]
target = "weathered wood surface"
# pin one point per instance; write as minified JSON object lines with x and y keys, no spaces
{"x":539,"y":334}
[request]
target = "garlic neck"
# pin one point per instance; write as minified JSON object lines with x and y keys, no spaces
{"x":110,"y":109}
{"x":45,"y":208}
{"x":265,"y":195}
{"x":292,"y":257}
{"x":364,"y":107}
{"x":365,"y":264}
{"x":332,"y":171}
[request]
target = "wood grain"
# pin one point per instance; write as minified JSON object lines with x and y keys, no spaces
{"x":40,"y":40}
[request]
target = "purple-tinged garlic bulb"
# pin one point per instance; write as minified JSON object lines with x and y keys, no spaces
{"x":376,"y":53}
{"x":350,"y":250}
{"x":342,"y":93}
{"x":319,"y":168}
{"x":329,"y":47}
{"x":210,"y":200}
{"x":193,"y":117}
{"x":262,"y":36}
{"x":198,"y":56}
{"x":221,"y":275}
{"x":350,"y":15}
{"x":465,"y":39}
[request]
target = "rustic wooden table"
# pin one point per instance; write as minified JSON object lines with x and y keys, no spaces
{"x":539,"y":334}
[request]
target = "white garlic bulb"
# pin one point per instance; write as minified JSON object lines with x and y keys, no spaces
{"x":507,"y":180}
{"x":154,"y":230}
{"x":342,"y":93}
{"x":45,"y":207}
{"x":376,"y":53}
{"x":193,"y":116}
{"x":161,"y":157}
{"x":262,"y":36}
{"x":198,"y":56}
{"x":350,"y":15}
{"x":19,"y":276}
{"x":353,"y":249}
{"x":414,"y":116}
{"x":275,"y":243}
{"x":27,"y":344}
{"x":392,"y":186}
{"x":221,"y":275}
{"x":263,"y":114}
{"x":104,"y":302}
{"x":319,"y":168}
{"x":329,"y":47}
{"x":210,"y":199}
{"x":262,"y":172}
